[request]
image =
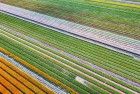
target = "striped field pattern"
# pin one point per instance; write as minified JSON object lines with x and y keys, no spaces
{"x":17,"y":82}
{"x":69,"y":47}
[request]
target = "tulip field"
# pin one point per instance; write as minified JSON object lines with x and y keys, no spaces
{"x":116,"y":17}
{"x":13,"y":80}
{"x":37,"y":58}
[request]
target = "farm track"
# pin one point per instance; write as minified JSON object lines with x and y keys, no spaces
{"x":130,"y":90}
{"x":118,"y":44}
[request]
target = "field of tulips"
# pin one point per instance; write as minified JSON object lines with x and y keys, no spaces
{"x":35,"y":73}
{"x":13,"y":80}
{"x":39,"y":46}
{"x":43,"y":54}
{"x":116,"y":17}
{"x":84,"y":32}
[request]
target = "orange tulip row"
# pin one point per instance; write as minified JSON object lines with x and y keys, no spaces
{"x":9,"y":86}
{"x":15,"y":82}
{"x":16,"y":75}
{"x":3,"y":90}
{"x":39,"y":72}
{"x":19,"y":80}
